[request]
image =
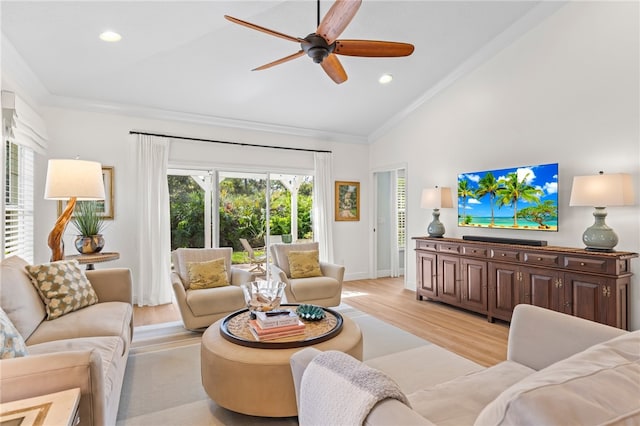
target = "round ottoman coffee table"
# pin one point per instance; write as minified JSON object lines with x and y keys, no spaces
{"x":255,"y":378}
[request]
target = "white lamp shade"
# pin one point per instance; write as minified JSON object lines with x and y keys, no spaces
{"x":74,"y":178}
{"x":602,"y":190}
{"x":436,"y":198}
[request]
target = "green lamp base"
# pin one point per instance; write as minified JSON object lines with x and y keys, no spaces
{"x":436,"y":228}
{"x":599,"y":237}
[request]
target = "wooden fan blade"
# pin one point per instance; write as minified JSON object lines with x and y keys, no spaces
{"x":337,"y":19}
{"x":332,"y":66}
{"x":280,"y":61}
{"x":372,"y":48}
{"x":262,"y":29}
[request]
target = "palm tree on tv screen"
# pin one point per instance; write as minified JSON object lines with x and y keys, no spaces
{"x":488,"y":185}
{"x":464,"y":192}
{"x":514,"y":190}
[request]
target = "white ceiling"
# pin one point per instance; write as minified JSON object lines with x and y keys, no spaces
{"x":184,"y":58}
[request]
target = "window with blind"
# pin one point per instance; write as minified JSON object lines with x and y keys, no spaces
{"x":18,"y":202}
{"x":402,"y":207}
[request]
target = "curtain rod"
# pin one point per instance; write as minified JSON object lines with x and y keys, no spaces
{"x":133,"y":132}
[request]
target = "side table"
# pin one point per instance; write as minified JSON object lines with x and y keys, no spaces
{"x":90,"y":259}
{"x":59,"y":408}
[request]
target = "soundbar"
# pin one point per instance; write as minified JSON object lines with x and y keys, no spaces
{"x":522,"y":242}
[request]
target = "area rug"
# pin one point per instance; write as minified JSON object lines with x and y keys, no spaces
{"x":162,"y":384}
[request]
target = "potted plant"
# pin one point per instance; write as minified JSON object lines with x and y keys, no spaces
{"x":89,"y":224}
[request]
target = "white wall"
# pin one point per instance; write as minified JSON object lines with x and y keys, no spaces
{"x":105,"y":138}
{"x":566,"y":92}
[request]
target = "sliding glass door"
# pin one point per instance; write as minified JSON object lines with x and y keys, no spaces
{"x":242,"y":208}
{"x":260,"y":207}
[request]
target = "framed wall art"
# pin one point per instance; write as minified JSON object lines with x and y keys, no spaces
{"x":347,"y":201}
{"x":105,"y":206}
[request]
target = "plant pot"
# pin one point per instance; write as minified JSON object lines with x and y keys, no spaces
{"x":89,"y":245}
{"x":287,"y":238}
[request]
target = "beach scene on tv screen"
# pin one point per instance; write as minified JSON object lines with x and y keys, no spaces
{"x":514,"y":198}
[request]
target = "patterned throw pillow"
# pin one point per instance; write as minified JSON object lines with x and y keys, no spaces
{"x":63,"y":287}
{"x":11,"y":342}
{"x":207,"y":274}
{"x":304,"y":264}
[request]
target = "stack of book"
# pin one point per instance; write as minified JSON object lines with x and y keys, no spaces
{"x":276,"y":325}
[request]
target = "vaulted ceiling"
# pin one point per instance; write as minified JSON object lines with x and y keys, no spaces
{"x":183,"y":58}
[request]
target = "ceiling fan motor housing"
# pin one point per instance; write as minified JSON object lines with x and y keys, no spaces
{"x":317,"y":47}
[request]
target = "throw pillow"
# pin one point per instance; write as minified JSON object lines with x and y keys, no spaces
{"x":11,"y":342}
{"x":207,"y":274}
{"x":63,"y":287}
{"x":304,"y":264}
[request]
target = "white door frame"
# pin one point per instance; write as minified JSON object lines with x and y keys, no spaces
{"x":373,"y":219}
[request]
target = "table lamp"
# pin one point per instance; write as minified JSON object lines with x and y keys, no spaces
{"x":436,"y":198}
{"x":70,"y":180}
{"x":601,"y":191}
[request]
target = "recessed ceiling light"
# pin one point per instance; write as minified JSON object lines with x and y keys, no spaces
{"x":385,"y":79}
{"x":110,"y":36}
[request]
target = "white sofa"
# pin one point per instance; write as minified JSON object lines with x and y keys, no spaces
{"x":560,"y":370}
{"x":86,"y":349}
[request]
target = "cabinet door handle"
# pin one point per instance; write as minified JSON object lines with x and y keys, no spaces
{"x":539,"y":259}
{"x":581,"y":263}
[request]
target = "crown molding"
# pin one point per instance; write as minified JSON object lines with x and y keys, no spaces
{"x":527,"y":22}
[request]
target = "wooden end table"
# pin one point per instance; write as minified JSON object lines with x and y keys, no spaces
{"x":90,"y":259}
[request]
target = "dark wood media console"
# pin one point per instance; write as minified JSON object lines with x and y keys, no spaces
{"x":492,"y":278}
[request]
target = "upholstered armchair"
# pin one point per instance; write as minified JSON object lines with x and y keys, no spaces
{"x":325,"y":289}
{"x":201,"y":307}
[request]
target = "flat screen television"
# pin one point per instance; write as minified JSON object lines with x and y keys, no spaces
{"x":523,"y":198}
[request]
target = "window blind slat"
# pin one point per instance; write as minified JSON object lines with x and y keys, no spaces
{"x":18,"y":203}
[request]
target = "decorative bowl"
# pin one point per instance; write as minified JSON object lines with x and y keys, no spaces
{"x":310,"y":312}
{"x":263,"y":296}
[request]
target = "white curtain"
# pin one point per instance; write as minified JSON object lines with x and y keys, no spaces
{"x":152,"y":285}
{"x":323,"y":205}
{"x":393,"y":223}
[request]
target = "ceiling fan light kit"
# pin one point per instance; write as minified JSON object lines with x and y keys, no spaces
{"x":323,"y":46}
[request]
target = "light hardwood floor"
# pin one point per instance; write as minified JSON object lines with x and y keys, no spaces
{"x":467,"y":334}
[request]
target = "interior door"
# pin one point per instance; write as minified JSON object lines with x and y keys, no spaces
{"x":389,"y":248}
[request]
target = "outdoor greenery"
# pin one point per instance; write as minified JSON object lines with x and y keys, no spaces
{"x":86,"y":218}
{"x":241,"y":211}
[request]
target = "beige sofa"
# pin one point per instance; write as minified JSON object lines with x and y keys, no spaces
{"x":560,"y":370}
{"x":84,"y":349}
{"x":325,"y":290}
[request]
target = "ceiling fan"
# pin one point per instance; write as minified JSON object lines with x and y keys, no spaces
{"x":323,"y":46}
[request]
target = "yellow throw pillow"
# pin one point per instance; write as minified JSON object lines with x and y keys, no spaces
{"x":63,"y":287}
{"x":207,"y":274}
{"x":304,"y":264}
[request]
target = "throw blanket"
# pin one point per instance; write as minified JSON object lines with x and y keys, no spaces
{"x":337,"y":389}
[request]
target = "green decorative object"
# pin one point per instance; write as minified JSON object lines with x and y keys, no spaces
{"x":310,"y":312}
{"x":89,"y":224}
